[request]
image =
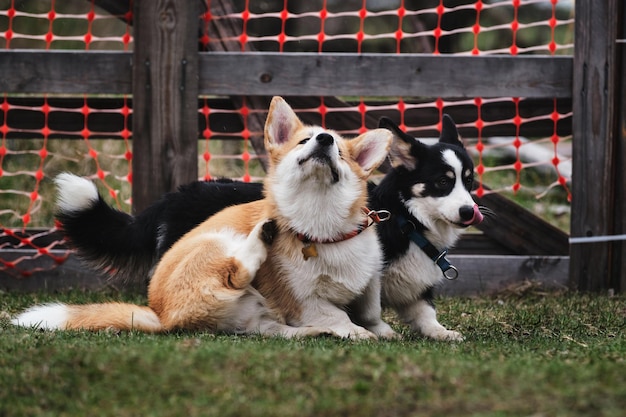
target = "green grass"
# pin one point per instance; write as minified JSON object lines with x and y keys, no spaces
{"x":534,"y":354}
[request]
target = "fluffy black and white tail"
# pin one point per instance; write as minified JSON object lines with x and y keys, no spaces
{"x":129,"y":246}
{"x":105,"y":238}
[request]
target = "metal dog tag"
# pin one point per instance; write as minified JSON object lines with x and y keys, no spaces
{"x":309,"y":251}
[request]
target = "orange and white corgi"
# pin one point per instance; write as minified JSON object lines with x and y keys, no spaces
{"x":291,"y":264}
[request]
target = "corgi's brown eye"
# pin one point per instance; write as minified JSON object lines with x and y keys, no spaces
{"x":303,"y":141}
{"x":443,"y":182}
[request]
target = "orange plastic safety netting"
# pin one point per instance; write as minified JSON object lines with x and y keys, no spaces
{"x":470,"y":27}
{"x":402,"y":26}
{"x":92,"y":136}
{"x":44,"y":135}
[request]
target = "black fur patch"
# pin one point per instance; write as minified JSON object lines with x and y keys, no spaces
{"x":194,"y":203}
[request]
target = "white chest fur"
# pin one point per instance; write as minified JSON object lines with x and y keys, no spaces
{"x":339,"y":273}
{"x":406,"y":278}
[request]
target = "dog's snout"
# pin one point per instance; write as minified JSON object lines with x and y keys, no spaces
{"x":466,"y":213}
{"x":324,"y":139}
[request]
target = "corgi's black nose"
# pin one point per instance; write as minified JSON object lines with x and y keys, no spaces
{"x":324,"y":139}
{"x":466,"y":213}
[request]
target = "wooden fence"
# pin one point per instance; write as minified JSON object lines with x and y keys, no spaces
{"x":166,"y":73}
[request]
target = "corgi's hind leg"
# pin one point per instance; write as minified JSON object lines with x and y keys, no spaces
{"x":253,"y":252}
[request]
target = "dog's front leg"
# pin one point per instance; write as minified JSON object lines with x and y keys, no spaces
{"x":422,"y":317}
{"x":366,"y":311}
{"x":322,"y":313}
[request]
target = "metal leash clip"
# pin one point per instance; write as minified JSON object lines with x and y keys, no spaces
{"x":379,"y":215}
{"x":451,"y":275}
{"x":383,"y":215}
{"x":449,"y":270}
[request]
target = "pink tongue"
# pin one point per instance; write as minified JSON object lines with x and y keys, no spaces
{"x":478,"y":217}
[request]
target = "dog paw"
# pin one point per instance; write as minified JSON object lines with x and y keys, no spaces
{"x":434,"y":330}
{"x":367,"y":335}
{"x":390,"y":335}
{"x":318,"y":331}
{"x":447,"y":336}
{"x":384,"y":331}
{"x":359,"y":333}
{"x":269,"y":230}
{"x":307,"y":331}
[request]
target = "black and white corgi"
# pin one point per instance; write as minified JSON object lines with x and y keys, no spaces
{"x":427,"y":193}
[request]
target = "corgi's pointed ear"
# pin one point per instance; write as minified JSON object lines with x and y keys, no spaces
{"x":387,"y":123}
{"x":370,"y":149}
{"x":400,"y":152}
{"x":449,"y":132}
{"x":281,"y":122}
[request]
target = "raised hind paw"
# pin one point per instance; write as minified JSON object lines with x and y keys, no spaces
{"x":253,"y":252}
{"x":269,"y":230}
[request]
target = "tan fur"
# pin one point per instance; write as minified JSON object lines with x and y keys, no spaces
{"x":195,"y":282}
{"x":117,"y":316}
{"x":196,"y":286}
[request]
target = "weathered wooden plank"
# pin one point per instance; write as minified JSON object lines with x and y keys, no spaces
{"x":71,"y":274}
{"x":594,"y":265}
{"x":477,"y":274}
{"x":384,"y":75}
{"x":165,"y":98}
{"x":116,"y":7}
{"x":66,"y":72}
{"x":619,"y":257}
{"x":477,"y":243}
{"x":520,"y":230}
{"x":266,"y":73}
{"x":483,"y":275}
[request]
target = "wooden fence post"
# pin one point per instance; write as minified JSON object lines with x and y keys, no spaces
{"x":619,"y":257}
{"x":598,"y":170}
{"x":165,"y":97}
